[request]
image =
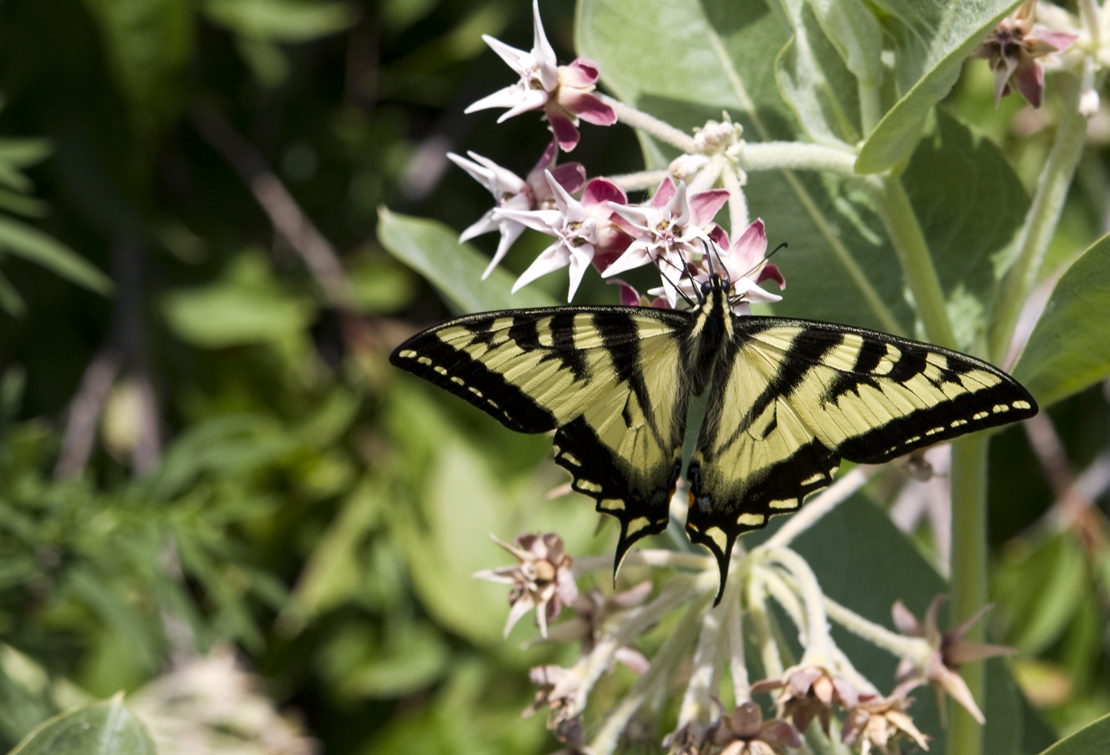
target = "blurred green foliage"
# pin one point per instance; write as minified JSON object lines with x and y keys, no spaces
{"x":305,"y":503}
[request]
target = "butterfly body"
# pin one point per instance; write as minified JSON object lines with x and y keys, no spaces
{"x":787,"y":399}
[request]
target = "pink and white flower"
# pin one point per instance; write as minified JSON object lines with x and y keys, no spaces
{"x":562,"y":92}
{"x":671,"y":232}
{"x":582,"y":229}
{"x":514,"y":193}
{"x":746,"y":266}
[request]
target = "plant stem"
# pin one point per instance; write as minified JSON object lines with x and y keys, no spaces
{"x":870,"y":107}
{"x":917,"y":264}
{"x":650,"y":124}
{"x":798,"y":156}
{"x":969,"y":575}
{"x":1040,"y":223}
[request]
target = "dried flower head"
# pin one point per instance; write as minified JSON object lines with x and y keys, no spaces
{"x":950,"y":651}
{"x":593,"y":610}
{"x":878,"y":721}
{"x":810,"y":692}
{"x":1013,"y":49}
{"x":744,"y":732}
{"x":562,"y":692}
{"x":541,"y":578}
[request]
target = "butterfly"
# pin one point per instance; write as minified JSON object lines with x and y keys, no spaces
{"x":786,"y":400}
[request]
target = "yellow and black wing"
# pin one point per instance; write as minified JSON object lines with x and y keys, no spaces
{"x":607,"y":378}
{"x":791,"y":398}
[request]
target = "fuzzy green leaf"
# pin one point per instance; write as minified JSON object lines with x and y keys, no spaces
{"x":932,"y":39}
{"x":1070,"y":345}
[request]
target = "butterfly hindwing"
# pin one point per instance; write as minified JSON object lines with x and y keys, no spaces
{"x":791,"y":398}
{"x":606,"y":377}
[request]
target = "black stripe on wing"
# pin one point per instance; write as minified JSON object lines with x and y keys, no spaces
{"x":426,"y":355}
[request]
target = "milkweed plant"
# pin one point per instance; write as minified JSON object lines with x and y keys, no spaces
{"x":893,"y":213}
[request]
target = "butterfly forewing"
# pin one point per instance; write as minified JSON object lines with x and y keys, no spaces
{"x":791,"y":398}
{"x":608,"y":377}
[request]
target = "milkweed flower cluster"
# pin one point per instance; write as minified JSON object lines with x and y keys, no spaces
{"x":709,"y":647}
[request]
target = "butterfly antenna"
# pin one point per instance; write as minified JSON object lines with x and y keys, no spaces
{"x":766,"y":257}
{"x":667,"y":278}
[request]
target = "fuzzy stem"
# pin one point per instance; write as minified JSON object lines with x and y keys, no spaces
{"x":645,"y":179}
{"x":917,"y":264}
{"x":798,"y":156}
{"x":817,"y":623}
{"x":1040,"y":223}
{"x":914,"y":648}
{"x":757,"y":612}
{"x":737,"y":202}
{"x":1089,"y":14}
{"x":698,"y":700}
{"x":663,"y":664}
{"x":649,"y":124}
{"x":969,"y":574}
{"x":646,"y":557}
{"x":821,"y":505}
{"x":741,"y":684}
{"x":870,"y":107}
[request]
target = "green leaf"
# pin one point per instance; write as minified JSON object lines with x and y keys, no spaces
{"x":1069,"y":348}
{"x":280,"y":20}
{"x":247,"y":305}
{"x":104,"y":728}
{"x":412,"y":657}
{"x":10,"y":300}
{"x":149,"y":44}
{"x":816,"y":83}
{"x":333,"y":572}
{"x":32,"y":244}
{"x":1091,"y":740}
{"x":463,"y":505}
{"x":968,"y":222}
{"x":434,"y":251}
{"x":24,"y":152}
{"x":381,"y":286}
{"x":932,"y":39}
{"x":1040,"y":587}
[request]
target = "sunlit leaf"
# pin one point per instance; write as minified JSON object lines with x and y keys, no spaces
{"x":1070,"y":345}
{"x":434,"y":251}
{"x":104,"y":728}
{"x":932,"y":40}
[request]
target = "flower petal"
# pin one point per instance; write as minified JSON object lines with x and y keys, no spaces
{"x":581,"y":73}
{"x":518,"y":60}
{"x":562,"y":127}
{"x":705,"y":205}
{"x":1029,"y":78}
{"x":587,"y":107}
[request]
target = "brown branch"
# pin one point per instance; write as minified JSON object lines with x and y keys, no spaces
{"x":1075,"y":509}
{"x":285,"y":214}
{"x":84,"y":411}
